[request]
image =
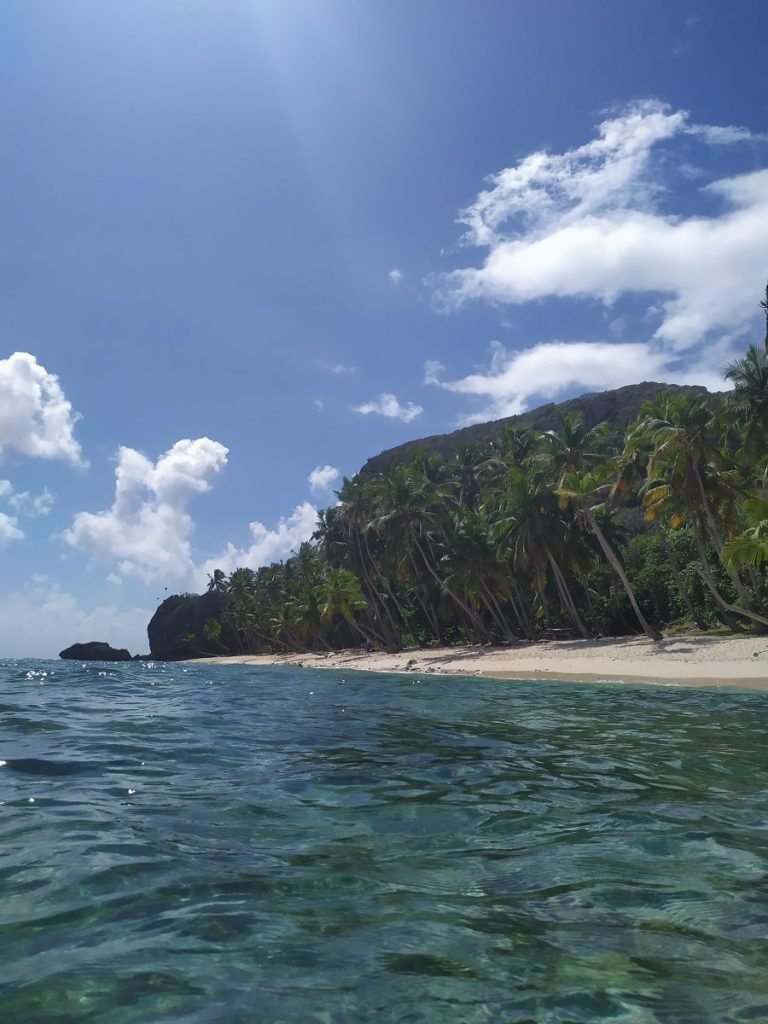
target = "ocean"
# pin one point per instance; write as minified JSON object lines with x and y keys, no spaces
{"x":192,"y":843}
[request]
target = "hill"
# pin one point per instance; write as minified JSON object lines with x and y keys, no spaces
{"x":618,"y":407}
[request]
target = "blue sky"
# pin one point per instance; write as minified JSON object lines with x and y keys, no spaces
{"x":245,"y":245}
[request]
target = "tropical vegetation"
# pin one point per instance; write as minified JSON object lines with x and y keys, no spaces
{"x":556,"y":533}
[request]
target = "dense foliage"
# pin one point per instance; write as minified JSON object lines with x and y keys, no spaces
{"x":554,"y":533}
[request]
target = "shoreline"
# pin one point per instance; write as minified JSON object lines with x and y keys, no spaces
{"x":734,"y":661}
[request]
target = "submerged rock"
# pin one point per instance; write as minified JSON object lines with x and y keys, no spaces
{"x":94,"y":651}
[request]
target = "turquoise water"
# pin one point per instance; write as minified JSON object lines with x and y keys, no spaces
{"x":225,"y":844}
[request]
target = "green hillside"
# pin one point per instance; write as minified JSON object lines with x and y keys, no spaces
{"x":618,"y":407}
{"x":634,"y":510}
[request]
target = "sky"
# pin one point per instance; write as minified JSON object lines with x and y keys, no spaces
{"x":247,"y":244}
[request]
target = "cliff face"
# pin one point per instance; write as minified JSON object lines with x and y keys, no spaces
{"x":177,"y":629}
{"x":618,"y":407}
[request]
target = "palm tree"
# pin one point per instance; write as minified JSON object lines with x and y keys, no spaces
{"x":750,"y":549}
{"x":217,"y":583}
{"x":749,"y":399}
{"x":587,"y":492}
{"x":689,"y":479}
{"x":686,"y":458}
{"x":406,"y":515}
{"x":473,"y":570}
{"x":532,"y":533}
{"x":570,"y":449}
{"x":354,"y":517}
{"x":340,"y":595}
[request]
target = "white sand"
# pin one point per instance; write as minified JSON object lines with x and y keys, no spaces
{"x":686,"y":661}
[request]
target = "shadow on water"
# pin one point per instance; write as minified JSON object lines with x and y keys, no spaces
{"x":46,"y":767}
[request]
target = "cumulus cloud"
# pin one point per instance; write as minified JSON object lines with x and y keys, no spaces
{"x":594,"y":223}
{"x":388,"y":405}
{"x":266,"y":545}
{"x":147,"y":529}
{"x":322,"y":478}
{"x":36,"y":419}
{"x":395,"y":276}
{"x":41,"y":619}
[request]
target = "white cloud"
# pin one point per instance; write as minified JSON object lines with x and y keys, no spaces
{"x":594,"y":223}
{"x":318,"y":404}
{"x":395,"y":276}
{"x":432,"y":370}
{"x":587,"y":224}
{"x":322,"y":478}
{"x":388,"y":405}
{"x":337,"y":369}
{"x":147,"y":528}
{"x":512,"y":379}
{"x":22,"y":503}
{"x":36,"y":419}
{"x":32,"y":505}
{"x":266,"y":545}
{"x":41,"y":619}
{"x":9,"y":530}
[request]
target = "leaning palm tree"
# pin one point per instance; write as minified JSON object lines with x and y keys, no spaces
{"x":408,"y":514}
{"x":587,"y":493}
{"x":353,"y":518}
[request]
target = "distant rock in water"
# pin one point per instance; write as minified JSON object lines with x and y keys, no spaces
{"x":94,"y":651}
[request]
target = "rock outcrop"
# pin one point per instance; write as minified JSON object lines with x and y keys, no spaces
{"x":94,"y":651}
{"x":177,"y":629}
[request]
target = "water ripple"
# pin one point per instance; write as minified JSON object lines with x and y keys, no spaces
{"x":218,"y":844}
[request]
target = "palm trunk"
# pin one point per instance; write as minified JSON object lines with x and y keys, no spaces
{"x":705,"y":575}
{"x":497,"y":614}
{"x":566,"y":596}
{"x":375,"y":600}
{"x":544,"y":604}
{"x":429,"y":614}
{"x":521,"y":610}
{"x":618,"y":568}
{"x":717,"y":540}
{"x":746,"y":613}
{"x":385,"y":581}
{"x":441,"y":583}
{"x":370,"y":636}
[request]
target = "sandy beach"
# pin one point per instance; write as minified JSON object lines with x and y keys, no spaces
{"x":680,"y":660}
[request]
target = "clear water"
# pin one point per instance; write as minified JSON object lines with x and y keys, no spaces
{"x":223,"y":844}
